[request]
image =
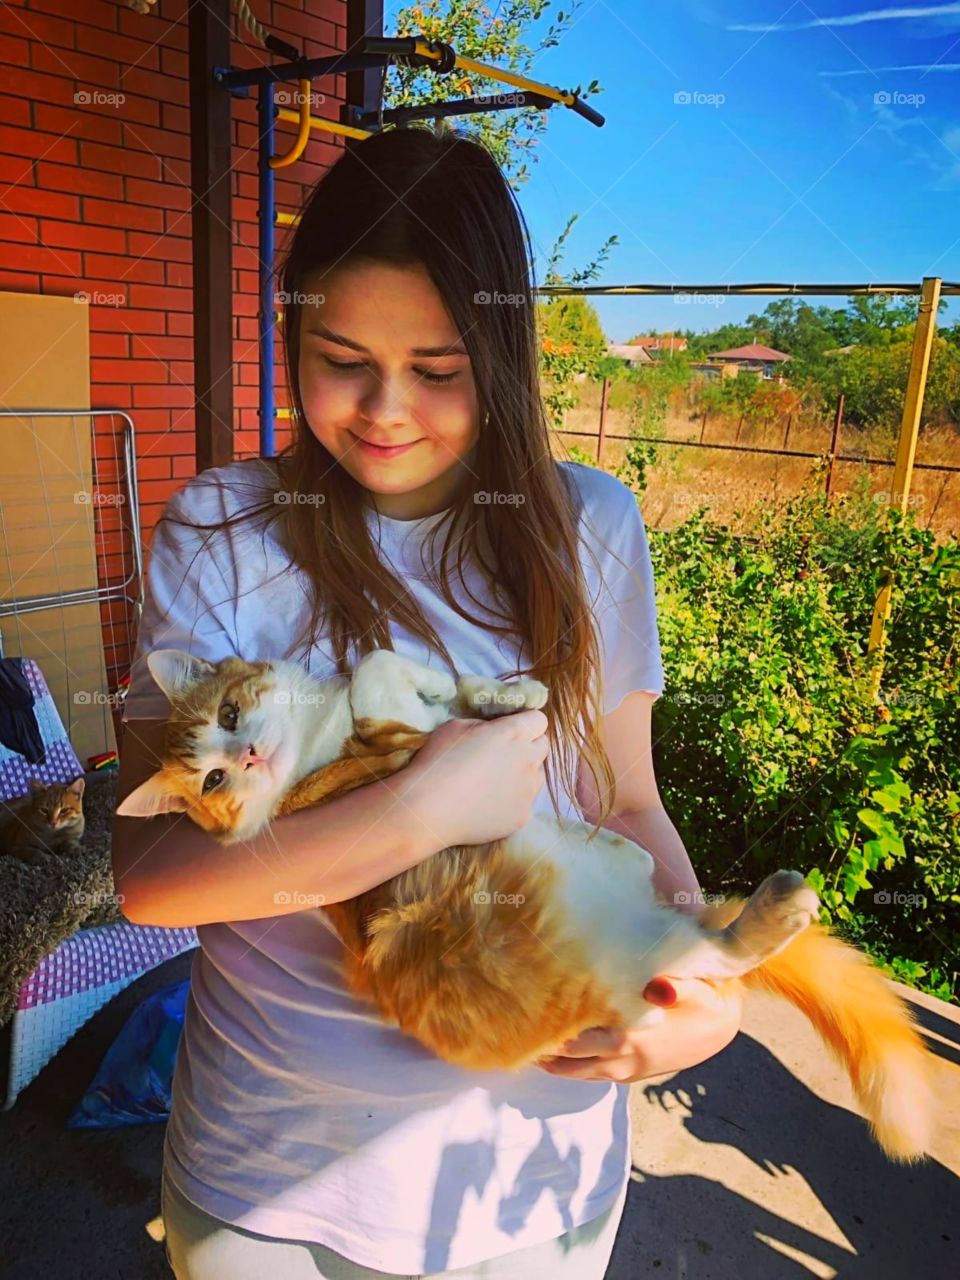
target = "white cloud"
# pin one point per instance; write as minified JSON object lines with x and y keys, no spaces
{"x":852,"y":19}
{"x":909,"y":66}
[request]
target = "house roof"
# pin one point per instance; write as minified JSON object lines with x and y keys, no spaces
{"x":753,"y":351}
{"x":629,"y":351}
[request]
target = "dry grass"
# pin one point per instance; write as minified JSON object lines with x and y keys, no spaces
{"x":736,"y":485}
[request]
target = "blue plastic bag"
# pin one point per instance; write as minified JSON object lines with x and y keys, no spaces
{"x":133,"y":1083}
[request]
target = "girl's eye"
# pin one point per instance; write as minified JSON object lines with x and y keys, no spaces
{"x":213,"y":780}
{"x":227,"y":716}
{"x":349,"y":367}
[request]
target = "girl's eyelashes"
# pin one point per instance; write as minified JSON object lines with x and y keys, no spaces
{"x":349,"y":367}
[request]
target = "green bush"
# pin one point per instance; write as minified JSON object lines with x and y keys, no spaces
{"x":771,"y":750}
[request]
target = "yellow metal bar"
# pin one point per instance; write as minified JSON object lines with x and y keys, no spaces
{"x":303,"y":130}
{"x":284,"y":413}
{"x":288,"y":219}
{"x":471,"y":66}
{"x":906,"y":449}
{"x":323,"y":126}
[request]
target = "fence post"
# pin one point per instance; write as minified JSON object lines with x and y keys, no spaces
{"x":835,"y":444}
{"x":602,"y":433}
{"x":906,"y":449}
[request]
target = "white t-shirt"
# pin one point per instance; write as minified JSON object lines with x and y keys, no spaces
{"x":296,"y":1112}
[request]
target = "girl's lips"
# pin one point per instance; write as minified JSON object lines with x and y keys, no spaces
{"x":380,"y":451}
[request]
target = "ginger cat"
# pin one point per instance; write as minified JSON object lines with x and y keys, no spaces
{"x":494,"y":955}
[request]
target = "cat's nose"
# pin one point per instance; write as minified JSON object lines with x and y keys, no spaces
{"x":251,"y":758}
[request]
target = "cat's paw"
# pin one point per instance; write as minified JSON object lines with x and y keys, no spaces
{"x":785,"y":899}
{"x":490,"y":698}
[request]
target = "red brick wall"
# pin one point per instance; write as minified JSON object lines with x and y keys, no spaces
{"x":95,"y":198}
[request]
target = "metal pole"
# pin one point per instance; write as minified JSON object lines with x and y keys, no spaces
{"x":267,"y":298}
{"x":602,"y":433}
{"x":906,"y":450}
{"x":835,"y":444}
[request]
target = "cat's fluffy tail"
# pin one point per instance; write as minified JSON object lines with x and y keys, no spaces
{"x":867,"y":1025}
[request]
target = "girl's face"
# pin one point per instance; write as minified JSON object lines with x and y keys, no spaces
{"x":386,"y":384}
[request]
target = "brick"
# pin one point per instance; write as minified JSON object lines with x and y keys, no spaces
{"x":77,"y":235}
{"x":85,"y":125}
{"x":127,"y":370}
{"x":14,"y":227}
{"x":164,"y":195}
{"x":120,"y":48}
{"x":179,"y":274}
{"x":41,"y":146}
{"x":181,"y":372}
{"x":158,"y":490}
{"x":138,"y":164}
{"x":43,"y":203}
{"x":110,"y":396}
{"x":61,"y":177}
{"x":87,"y":72}
{"x":127,"y":270}
{"x":167,"y":396}
{"x":16,"y":171}
{"x":34,"y":86}
{"x":171,"y":29}
{"x":151,"y":84}
{"x":160,"y":297}
{"x":14,"y":51}
{"x":155,"y":468}
{"x":114,"y":213}
{"x":180,"y":322}
{"x":184,"y":465}
{"x":95,"y":12}
{"x":128,"y":108}
{"x":19,"y":281}
{"x":160,"y":142}
{"x":173,"y":118}
{"x":103,"y":345}
{"x":14,"y":111}
{"x":169,"y":248}
{"x":38,"y":26}
{"x":126,"y":320}
{"x":174,"y":63}
{"x":30,"y":257}
{"x":162,"y":348}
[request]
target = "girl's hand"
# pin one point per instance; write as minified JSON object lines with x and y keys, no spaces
{"x":704,"y":1020}
{"x":477,"y":780}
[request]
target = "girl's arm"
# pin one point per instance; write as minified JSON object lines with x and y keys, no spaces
{"x":169,"y":872}
{"x":638,"y":811}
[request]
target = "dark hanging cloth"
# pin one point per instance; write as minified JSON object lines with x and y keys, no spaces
{"x":19,"y":730}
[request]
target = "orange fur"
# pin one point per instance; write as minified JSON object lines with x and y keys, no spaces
{"x":864,"y":1022}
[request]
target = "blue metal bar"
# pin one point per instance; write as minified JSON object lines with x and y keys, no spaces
{"x":266,"y":327}
{"x":305,"y":69}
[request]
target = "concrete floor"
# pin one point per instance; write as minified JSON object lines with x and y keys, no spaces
{"x":752,"y":1166}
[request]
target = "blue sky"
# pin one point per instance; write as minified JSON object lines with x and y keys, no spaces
{"x":818,"y":144}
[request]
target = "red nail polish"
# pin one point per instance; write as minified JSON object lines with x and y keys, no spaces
{"x":660,"y":991}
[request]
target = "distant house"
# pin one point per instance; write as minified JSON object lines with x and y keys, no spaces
{"x":629,"y":352}
{"x":662,"y":344}
{"x":753,"y":358}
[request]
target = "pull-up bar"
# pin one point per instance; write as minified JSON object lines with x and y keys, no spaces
{"x":371,"y":52}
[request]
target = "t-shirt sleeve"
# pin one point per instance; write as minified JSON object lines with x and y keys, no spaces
{"x":190,"y":593}
{"x":626,"y":610}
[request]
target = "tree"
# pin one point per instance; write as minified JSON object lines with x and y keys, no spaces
{"x":499,"y":37}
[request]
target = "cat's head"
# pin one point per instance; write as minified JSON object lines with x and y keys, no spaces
{"x":229,"y":754}
{"x":59,"y":804}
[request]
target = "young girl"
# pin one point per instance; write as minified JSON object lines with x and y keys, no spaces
{"x":420,"y":509}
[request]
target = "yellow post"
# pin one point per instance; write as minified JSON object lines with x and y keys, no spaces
{"x":906,"y":449}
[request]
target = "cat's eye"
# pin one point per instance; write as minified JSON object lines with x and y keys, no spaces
{"x":227,"y":716}
{"x":213,"y":780}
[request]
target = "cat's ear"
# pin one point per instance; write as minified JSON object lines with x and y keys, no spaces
{"x":154,"y":796}
{"x":174,"y":670}
{"x":76,"y":787}
{"x":37,"y":787}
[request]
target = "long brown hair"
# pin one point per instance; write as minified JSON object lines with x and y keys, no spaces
{"x":410,"y":197}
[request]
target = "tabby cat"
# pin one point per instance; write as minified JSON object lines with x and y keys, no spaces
{"x":49,"y":821}
{"x":494,"y":955}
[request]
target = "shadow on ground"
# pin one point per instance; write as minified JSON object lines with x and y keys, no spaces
{"x":741,"y":1172}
